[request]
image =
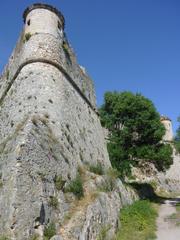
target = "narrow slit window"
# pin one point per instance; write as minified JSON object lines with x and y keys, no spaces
{"x":29,"y":22}
{"x":59,"y":25}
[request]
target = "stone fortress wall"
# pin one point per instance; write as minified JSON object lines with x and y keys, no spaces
{"x":49,"y":127}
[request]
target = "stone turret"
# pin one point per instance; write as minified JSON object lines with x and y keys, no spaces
{"x":49,"y":129}
{"x":43,"y":18}
{"x":168,"y":137}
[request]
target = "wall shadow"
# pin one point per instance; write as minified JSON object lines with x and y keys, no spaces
{"x":146,"y":191}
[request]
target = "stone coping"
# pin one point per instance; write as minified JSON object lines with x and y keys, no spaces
{"x":165,"y":118}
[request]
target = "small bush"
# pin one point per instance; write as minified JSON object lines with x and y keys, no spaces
{"x":59,"y":182}
{"x":110,"y":181}
{"x":49,"y":231}
{"x":107,"y":186}
{"x":76,"y":187}
{"x":53,"y":202}
{"x":113,"y":173}
{"x":97,"y":169}
{"x":27,"y":37}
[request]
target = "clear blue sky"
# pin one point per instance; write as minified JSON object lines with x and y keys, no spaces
{"x":124,"y":44}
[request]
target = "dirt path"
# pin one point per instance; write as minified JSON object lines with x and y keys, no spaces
{"x":167,"y":230}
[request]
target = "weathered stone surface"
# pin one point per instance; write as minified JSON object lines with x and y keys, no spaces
{"x":170,"y":180}
{"x":49,"y":128}
{"x":98,"y":211}
{"x":165,"y":183}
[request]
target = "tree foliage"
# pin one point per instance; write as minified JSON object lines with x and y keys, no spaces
{"x":135,"y":131}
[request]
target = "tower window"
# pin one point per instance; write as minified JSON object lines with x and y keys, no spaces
{"x":29,"y":22}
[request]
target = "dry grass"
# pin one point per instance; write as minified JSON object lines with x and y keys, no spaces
{"x":80,"y":205}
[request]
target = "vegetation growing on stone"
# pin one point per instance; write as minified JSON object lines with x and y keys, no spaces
{"x":66,"y":51}
{"x":49,"y":231}
{"x":135,"y":132}
{"x":59,"y":182}
{"x":53,"y":202}
{"x":110,"y":180}
{"x":138,"y":222}
{"x":97,"y":169}
{"x":76,"y":187}
{"x":27,"y":36}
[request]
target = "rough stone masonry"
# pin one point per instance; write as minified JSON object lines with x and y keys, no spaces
{"x":50,"y":128}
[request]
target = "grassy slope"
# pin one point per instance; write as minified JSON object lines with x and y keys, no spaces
{"x":138,"y":222}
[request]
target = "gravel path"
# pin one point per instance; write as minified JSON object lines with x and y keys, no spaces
{"x":167,"y":230}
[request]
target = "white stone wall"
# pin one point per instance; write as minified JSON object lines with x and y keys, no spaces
{"x":169,"y":132}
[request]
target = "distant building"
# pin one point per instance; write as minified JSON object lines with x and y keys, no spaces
{"x":168,"y":137}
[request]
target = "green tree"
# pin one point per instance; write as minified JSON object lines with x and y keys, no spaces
{"x":135,"y":131}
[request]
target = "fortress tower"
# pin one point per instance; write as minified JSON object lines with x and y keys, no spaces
{"x":168,"y":137}
{"x":45,"y":19}
{"x":49,"y":128}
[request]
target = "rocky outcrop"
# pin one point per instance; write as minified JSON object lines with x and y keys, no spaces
{"x":50,"y":133}
{"x":165,"y":184}
{"x":170,"y":180}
